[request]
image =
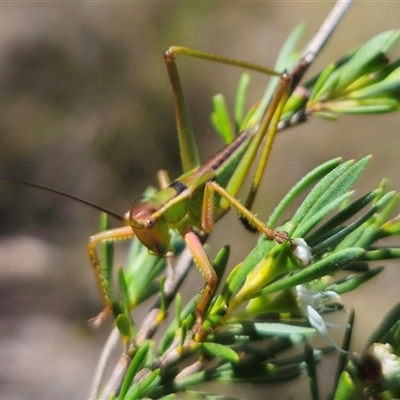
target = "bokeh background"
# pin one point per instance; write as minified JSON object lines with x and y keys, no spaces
{"x":85,"y":107}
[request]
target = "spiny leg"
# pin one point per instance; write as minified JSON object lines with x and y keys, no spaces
{"x":187,"y":143}
{"x":275,"y":108}
{"x":269,"y":119}
{"x":208,"y":213}
{"x":102,"y":277}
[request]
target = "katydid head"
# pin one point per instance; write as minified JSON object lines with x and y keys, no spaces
{"x":152,"y":231}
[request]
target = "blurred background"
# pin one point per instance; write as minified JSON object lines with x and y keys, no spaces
{"x":86,"y":109}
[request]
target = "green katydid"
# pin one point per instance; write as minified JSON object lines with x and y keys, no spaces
{"x":188,"y":204}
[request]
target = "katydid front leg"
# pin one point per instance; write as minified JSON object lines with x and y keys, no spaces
{"x":102,"y":277}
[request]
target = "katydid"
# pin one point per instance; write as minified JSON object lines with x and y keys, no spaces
{"x":188,"y":204}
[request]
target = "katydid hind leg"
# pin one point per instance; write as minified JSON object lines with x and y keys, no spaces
{"x":187,"y":144}
{"x":268,"y":128}
{"x":269,"y":120}
{"x":268,"y":124}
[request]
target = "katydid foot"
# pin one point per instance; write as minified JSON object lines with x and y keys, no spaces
{"x":96,"y":321}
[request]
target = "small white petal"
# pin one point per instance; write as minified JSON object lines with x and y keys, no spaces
{"x":389,"y":361}
{"x":317,"y":322}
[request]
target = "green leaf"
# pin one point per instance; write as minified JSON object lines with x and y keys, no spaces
{"x":342,"y":234}
{"x":123,"y":288}
{"x":241,"y":91}
{"x":220,"y":262}
{"x":392,"y":42}
{"x":352,"y":282}
{"x":219,"y":350}
{"x":147,"y":384}
{"x":345,"y":387}
{"x":220,"y":119}
{"x":288,"y":56}
{"x":171,"y":331}
{"x":326,"y":266}
{"x":335,"y":184}
{"x":261,"y":266}
{"x":390,"y":84}
{"x":365,"y":56}
{"x":142,"y":269}
{"x":124,"y":326}
{"x":279,"y":329}
{"x":343,"y":356}
{"x":386,"y":253}
{"x":367,"y":233}
{"x":308,"y":223}
{"x":296,"y":102}
{"x":134,"y":367}
{"x":285,"y":61}
{"x":389,"y":207}
{"x":374,"y":105}
{"x":328,"y":80}
{"x":391,"y":319}
{"x":107,"y":247}
{"x":171,"y":396}
{"x":341,"y":217}
{"x":316,"y":174}
{"x":324,"y":114}
{"x":322,"y":79}
{"x":317,"y":192}
{"x":311,"y":370}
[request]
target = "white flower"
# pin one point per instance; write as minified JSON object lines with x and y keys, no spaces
{"x":312,"y":304}
{"x":317,"y":300}
{"x":379,"y":358}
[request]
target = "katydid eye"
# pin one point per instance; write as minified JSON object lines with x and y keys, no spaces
{"x":130,"y":220}
{"x":150,"y":222}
